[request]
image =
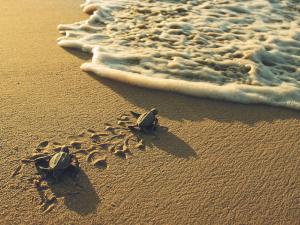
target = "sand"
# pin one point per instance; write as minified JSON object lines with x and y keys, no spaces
{"x":219,"y":162}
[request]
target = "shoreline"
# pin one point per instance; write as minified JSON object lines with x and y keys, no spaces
{"x":139,"y":63}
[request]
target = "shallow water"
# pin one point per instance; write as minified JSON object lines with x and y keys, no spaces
{"x":242,"y":51}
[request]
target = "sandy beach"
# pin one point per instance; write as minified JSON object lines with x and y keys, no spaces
{"x":218,"y":163}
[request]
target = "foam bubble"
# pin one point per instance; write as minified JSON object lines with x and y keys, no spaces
{"x":245,"y":52}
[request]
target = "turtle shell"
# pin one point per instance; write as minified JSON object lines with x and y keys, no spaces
{"x":146,"y":119}
{"x":60,"y":160}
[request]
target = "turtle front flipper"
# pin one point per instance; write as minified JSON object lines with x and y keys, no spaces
{"x":135,"y":114}
{"x":41,"y":159}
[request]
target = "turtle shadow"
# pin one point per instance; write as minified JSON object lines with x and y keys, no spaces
{"x":168,"y":142}
{"x":74,"y":188}
{"x":79,"y":194}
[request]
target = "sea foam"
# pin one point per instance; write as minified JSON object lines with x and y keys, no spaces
{"x":241,"y":51}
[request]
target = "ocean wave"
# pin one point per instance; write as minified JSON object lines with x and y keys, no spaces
{"x":241,"y":51}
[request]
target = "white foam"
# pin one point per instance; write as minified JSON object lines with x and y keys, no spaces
{"x":246,"y":52}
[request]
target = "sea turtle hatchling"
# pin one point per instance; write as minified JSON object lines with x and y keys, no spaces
{"x":146,"y":122}
{"x":60,"y":162}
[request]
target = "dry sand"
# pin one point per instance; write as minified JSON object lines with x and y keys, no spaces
{"x":219,"y":163}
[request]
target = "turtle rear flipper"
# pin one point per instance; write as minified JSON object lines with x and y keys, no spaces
{"x":148,"y":130}
{"x":135,"y":114}
{"x":44,"y":168}
{"x":133,"y":128}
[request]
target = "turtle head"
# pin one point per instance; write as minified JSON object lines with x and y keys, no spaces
{"x":154,"y":111}
{"x":65,"y":149}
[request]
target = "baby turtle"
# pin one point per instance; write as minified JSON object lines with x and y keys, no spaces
{"x":146,"y":122}
{"x":60,"y":162}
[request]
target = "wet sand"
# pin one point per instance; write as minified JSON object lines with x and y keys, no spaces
{"x":226,"y":50}
{"x":218,"y":163}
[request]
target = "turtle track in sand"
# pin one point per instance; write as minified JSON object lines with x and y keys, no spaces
{"x":90,"y":147}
